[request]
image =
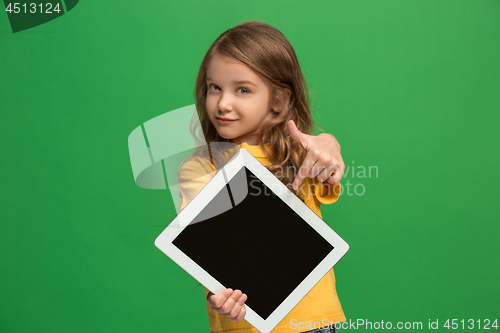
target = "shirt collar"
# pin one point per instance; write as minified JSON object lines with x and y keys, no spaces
{"x":257,"y":150}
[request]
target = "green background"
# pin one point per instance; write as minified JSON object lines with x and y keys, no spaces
{"x":411,"y":87}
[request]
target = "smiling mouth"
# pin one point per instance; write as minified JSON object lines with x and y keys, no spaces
{"x":225,"y":120}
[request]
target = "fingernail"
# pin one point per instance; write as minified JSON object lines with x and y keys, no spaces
{"x":294,"y":186}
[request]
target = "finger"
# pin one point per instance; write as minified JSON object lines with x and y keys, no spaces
{"x":325,"y":174}
{"x":336,"y":177}
{"x":304,"y":170}
{"x":297,"y":135}
{"x":242,"y":313}
{"x":322,"y":158}
{"x":228,"y":306}
{"x":316,"y":169}
{"x":216,"y":301}
{"x":235,"y":312}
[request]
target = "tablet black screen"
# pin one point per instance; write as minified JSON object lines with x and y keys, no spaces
{"x":260,"y":246}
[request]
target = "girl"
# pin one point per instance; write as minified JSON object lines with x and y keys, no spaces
{"x":250,"y":91}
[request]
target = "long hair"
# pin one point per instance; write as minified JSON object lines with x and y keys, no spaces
{"x":266,"y":51}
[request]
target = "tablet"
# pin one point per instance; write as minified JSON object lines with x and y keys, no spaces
{"x":274,"y":248}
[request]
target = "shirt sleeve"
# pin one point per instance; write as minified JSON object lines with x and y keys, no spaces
{"x":192,"y":178}
{"x":326,"y":194}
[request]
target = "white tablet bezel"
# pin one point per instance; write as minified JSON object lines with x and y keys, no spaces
{"x":244,"y":159}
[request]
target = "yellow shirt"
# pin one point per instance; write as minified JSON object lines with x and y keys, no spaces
{"x":321,"y":306}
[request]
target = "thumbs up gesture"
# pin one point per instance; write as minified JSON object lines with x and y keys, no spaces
{"x":323,"y":159}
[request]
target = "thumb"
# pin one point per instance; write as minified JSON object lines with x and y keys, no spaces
{"x":297,"y":135}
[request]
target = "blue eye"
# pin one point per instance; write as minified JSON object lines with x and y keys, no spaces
{"x":212,"y":86}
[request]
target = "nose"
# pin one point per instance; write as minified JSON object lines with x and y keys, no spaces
{"x":225,"y":103}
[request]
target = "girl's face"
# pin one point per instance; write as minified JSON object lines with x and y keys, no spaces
{"x":238,"y":100}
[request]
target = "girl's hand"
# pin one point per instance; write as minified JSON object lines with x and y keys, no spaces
{"x":323,"y":159}
{"x":229,"y":304}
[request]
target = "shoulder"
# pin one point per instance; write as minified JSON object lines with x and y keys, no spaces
{"x":192,"y":176}
{"x":193,"y":168}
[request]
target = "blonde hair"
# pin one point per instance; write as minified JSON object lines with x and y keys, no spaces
{"x":266,"y":51}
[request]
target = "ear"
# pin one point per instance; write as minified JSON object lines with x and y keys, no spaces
{"x":288,"y":93}
{"x":282,"y":100}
